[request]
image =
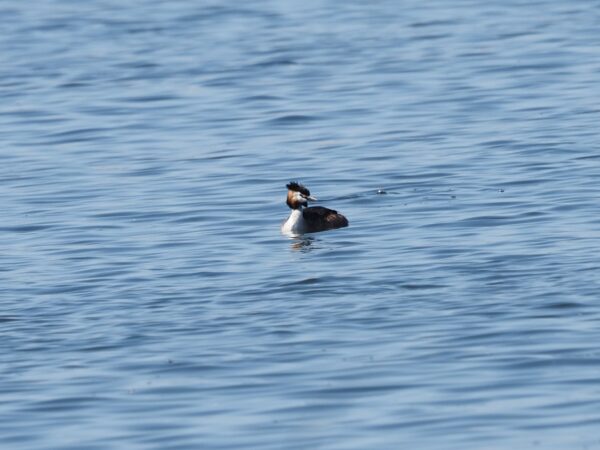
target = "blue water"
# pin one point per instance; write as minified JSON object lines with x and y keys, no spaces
{"x":149,"y":300}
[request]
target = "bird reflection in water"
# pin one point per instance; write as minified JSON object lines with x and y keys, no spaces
{"x":303,"y":243}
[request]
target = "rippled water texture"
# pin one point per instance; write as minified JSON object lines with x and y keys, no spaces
{"x":149,"y":300}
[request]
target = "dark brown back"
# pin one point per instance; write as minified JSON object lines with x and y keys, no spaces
{"x":319,"y":218}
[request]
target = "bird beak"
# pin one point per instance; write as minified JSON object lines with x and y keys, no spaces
{"x":310,"y":198}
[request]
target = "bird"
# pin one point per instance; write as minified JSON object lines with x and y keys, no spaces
{"x":308,"y":219}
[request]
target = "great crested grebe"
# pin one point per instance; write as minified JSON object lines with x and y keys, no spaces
{"x":305,"y":219}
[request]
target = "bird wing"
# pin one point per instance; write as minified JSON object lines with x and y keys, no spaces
{"x":321,"y":218}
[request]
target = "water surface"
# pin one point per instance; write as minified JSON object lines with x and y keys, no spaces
{"x":149,"y":300}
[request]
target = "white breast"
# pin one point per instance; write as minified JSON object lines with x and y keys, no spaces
{"x":295,"y":223}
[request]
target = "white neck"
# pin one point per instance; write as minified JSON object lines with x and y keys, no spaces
{"x":295,"y":223}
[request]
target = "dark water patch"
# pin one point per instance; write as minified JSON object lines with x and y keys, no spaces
{"x":138,"y":65}
{"x":145,"y":29}
{"x":529,"y":182}
{"x":416,"y":287}
{"x":587,"y":157}
{"x":515,"y":34}
{"x":76,"y":132}
{"x":73,"y":85}
{"x":274,"y":62}
{"x":62,"y":404}
{"x":8,"y":319}
{"x":222,"y":81}
{"x":262,"y":98}
{"x":433,"y":23}
{"x":27,"y":113}
{"x":71,"y":136}
{"x":151,"y":98}
{"x":199,"y":273}
{"x":220,"y":12}
{"x":108,"y":111}
{"x":431,"y":37}
{"x":516,"y":68}
{"x":535,"y":109}
{"x":147,"y":171}
{"x":26,"y":228}
{"x":306,"y":281}
{"x":563,"y":305}
{"x":222,"y":156}
{"x":99,"y":348}
{"x":557,"y":363}
{"x":197,"y":219}
{"x":292,"y":119}
{"x":62,"y":289}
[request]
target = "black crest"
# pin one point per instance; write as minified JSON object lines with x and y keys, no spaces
{"x":295,"y":186}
